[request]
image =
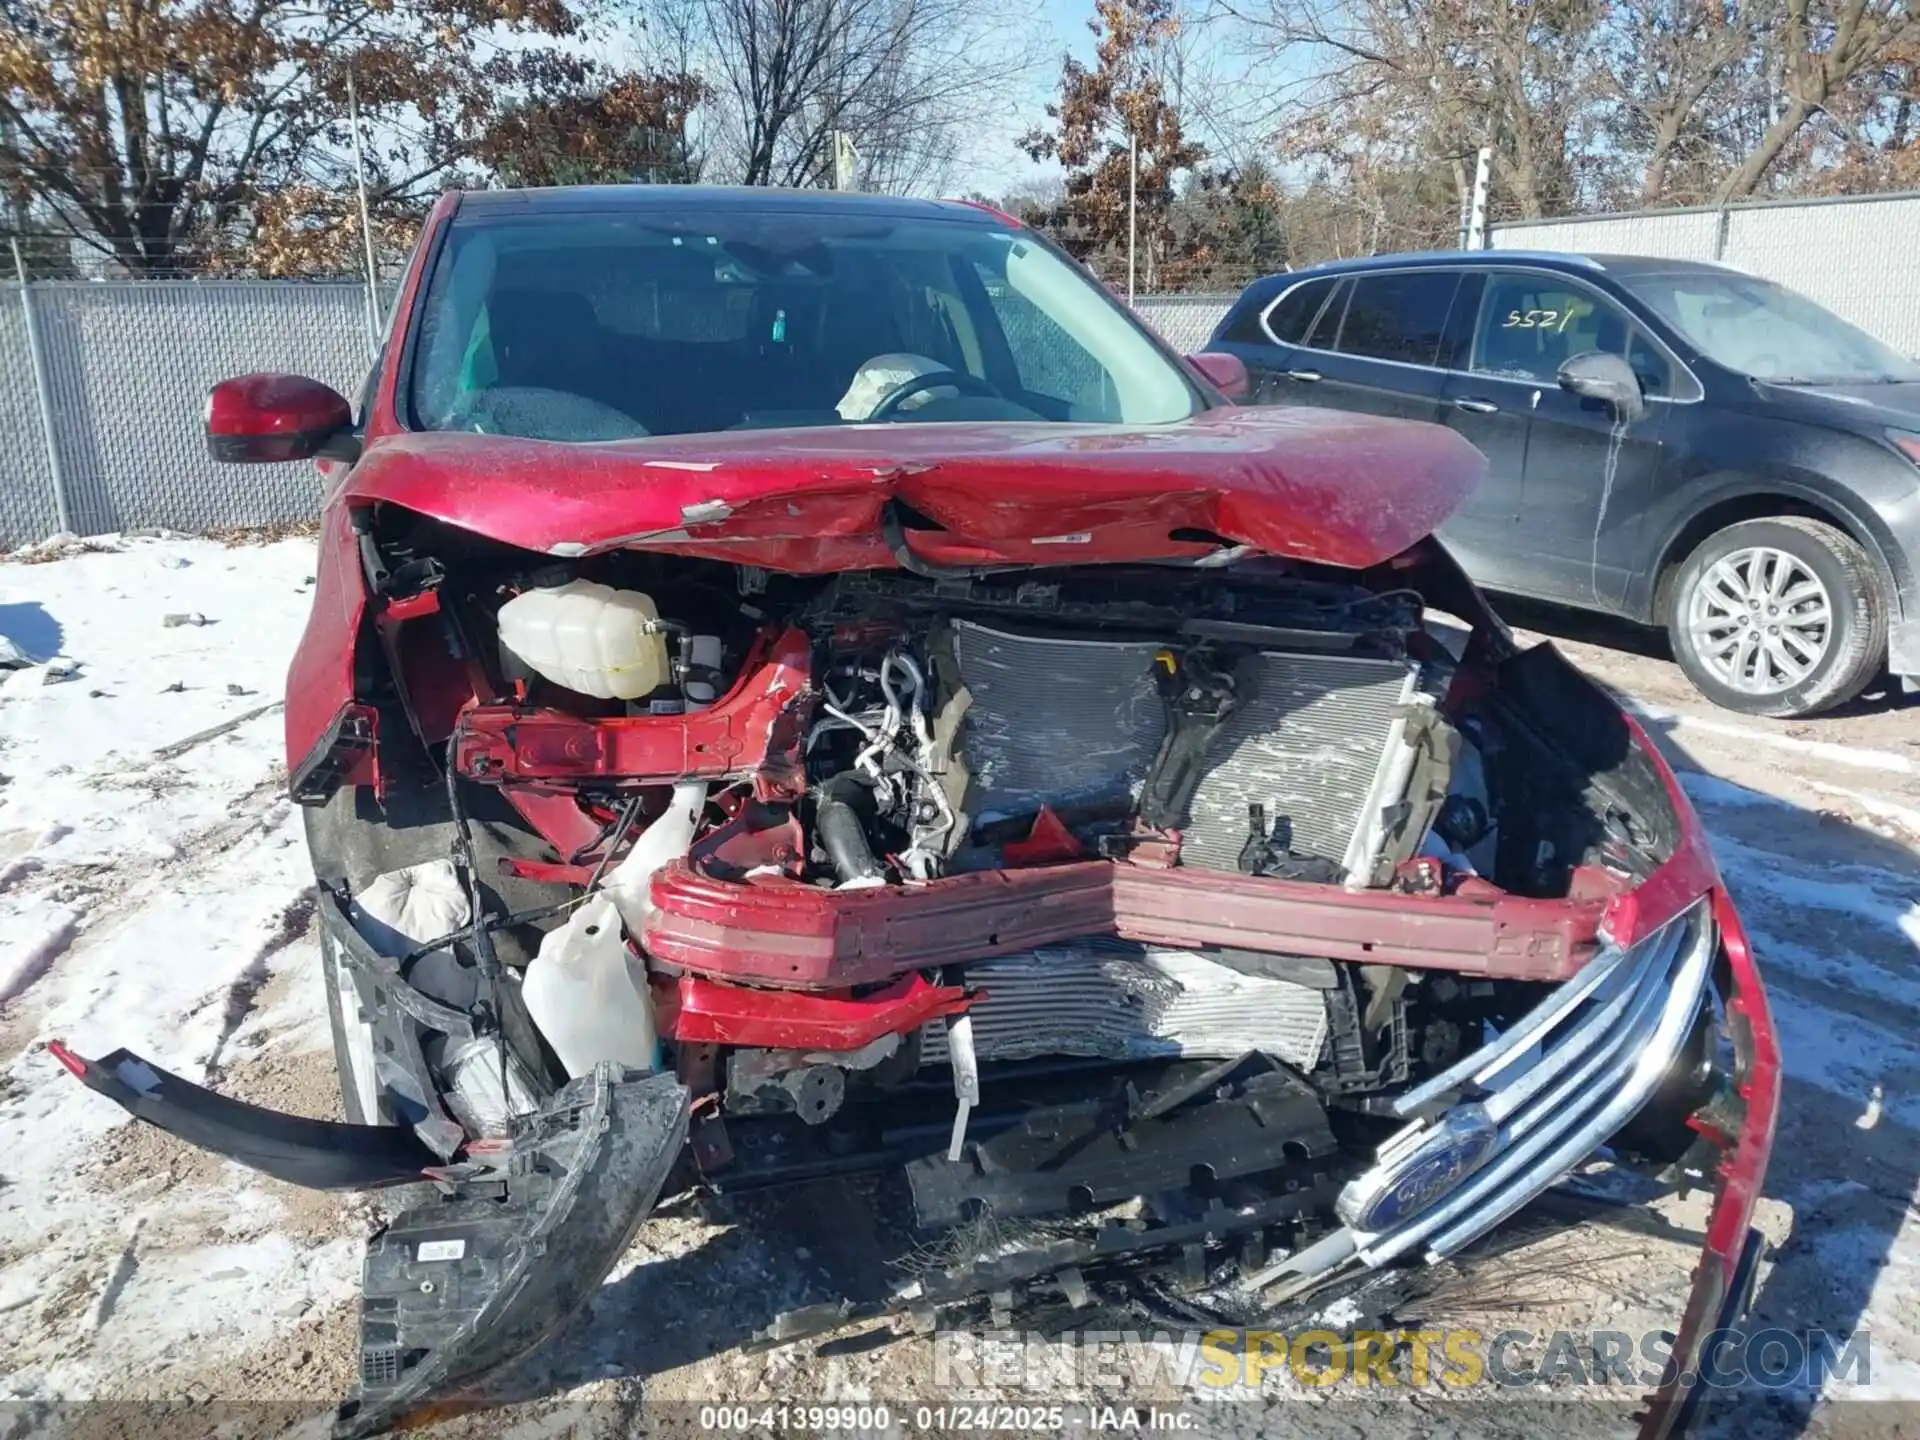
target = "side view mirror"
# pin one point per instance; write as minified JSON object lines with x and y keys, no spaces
{"x":261,"y":419}
{"x":1222,"y":371}
{"x":1597,"y":375}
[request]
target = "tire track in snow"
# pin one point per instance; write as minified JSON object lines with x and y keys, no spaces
{"x":22,"y":968}
{"x":295,"y":923}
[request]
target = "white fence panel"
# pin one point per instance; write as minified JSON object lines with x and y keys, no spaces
{"x":1676,"y":235}
{"x":1861,"y":260}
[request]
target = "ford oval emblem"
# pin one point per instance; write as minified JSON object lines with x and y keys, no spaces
{"x":1463,"y":1141}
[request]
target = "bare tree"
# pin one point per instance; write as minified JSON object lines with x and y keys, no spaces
{"x":1822,"y":51}
{"x":1679,"y":73}
{"x":910,"y":82}
{"x":172,"y":136}
{"x":1439,"y":80}
{"x":1118,"y":135}
{"x":1585,"y":103}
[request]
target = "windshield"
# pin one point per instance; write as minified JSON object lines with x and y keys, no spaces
{"x":1766,"y":331}
{"x":603,"y":327}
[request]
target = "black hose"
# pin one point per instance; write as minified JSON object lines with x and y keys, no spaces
{"x":895,"y":534}
{"x":836,"y":815}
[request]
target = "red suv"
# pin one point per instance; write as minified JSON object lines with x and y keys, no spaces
{"x":806,"y":685}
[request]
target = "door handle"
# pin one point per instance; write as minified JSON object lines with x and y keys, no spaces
{"x":1306,"y":377}
{"x":1478,"y":407}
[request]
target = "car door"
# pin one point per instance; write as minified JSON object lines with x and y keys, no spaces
{"x":1559,"y":463}
{"x":1485,"y":530}
{"x":1382,"y":359}
{"x":1267,"y":337}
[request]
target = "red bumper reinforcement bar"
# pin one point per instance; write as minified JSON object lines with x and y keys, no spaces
{"x":697,"y":1011}
{"x":782,"y":933}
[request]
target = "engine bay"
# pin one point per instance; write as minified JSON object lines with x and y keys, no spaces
{"x":876,"y":828}
{"x":872,"y":855}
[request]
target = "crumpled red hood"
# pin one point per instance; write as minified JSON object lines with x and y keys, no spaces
{"x":1320,"y":485}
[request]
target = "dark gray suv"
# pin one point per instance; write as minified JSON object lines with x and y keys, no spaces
{"x":1674,"y":442}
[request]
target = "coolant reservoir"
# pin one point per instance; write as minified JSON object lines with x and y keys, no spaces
{"x":588,"y":993}
{"x":588,"y":638}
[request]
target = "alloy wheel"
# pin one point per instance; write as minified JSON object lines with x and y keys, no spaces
{"x":1760,"y":620}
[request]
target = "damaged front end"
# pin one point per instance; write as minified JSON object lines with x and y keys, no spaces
{"x":1263,"y":923}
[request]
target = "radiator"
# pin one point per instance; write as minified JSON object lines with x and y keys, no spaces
{"x":1315,"y":739}
{"x":1113,"y":999}
{"x":1056,"y":721}
{"x":1310,"y":741}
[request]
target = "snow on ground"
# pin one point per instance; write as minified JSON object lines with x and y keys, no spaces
{"x":153,"y":894}
{"x":147,"y":902}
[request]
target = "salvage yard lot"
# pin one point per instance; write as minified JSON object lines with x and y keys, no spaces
{"x":153,"y":894}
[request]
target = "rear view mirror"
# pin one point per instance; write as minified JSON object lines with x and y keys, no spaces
{"x":1224,"y":372}
{"x":1597,"y":375}
{"x":262,"y":419}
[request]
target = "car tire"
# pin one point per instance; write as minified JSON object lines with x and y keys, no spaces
{"x":1819,"y":651}
{"x":346,"y":1064}
{"x":353,"y":1109}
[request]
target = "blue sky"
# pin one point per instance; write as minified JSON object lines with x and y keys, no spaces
{"x":996,"y":164}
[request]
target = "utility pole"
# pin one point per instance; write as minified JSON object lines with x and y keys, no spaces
{"x":1476,"y":236}
{"x":1133,"y":150}
{"x":846,"y":161}
{"x":1133,"y":203}
{"x":366,"y":225}
{"x":42,"y":391}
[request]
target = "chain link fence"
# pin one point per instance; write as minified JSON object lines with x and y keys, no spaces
{"x":1857,"y":256}
{"x":103,"y":384}
{"x":1184,"y":321}
{"x":103,"y":393}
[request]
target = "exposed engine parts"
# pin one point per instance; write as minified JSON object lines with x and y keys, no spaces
{"x":949,"y":719}
{"x":790,"y":790}
{"x":886,"y":788}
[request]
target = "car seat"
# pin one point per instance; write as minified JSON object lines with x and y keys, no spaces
{"x":548,"y":340}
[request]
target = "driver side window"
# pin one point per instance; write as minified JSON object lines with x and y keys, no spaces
{"x":1530,"y":325}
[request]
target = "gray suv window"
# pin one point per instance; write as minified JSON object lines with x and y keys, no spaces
{"x":1288,"y":320}
{"x":1532,"y":324}
{"x":1398,"y":316}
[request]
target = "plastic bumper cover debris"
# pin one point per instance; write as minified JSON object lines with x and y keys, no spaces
{"x":461,"y":1284}
{"x":317,"y":1154}
{"x":457,"y":1289}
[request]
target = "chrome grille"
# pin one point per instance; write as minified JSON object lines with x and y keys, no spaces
{"x":1112,"y":998}
{"x":1555,"y":1086}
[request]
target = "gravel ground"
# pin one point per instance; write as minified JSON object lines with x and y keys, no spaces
{"x":134,"y":1269}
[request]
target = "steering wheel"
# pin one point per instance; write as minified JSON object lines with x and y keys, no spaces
{"x":933,"y":380}
{"x":537,"y":414}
